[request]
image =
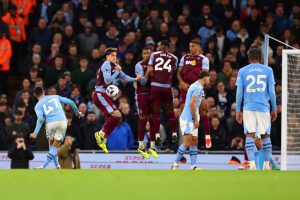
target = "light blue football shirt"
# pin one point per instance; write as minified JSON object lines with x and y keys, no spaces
{"x":255,"y":87}
{"x":196,"y":89}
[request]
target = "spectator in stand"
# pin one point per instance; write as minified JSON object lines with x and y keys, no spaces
{"x":47,"y":10}
{"x":54,"y":52}
{"x":212,"y":87}
{"x":51,"y":91}
{"x":206,"y":31}
{"x":61,"y":87}
{"x":100,"y":28}
{"x":231,"y":91}
{"x":124,"y":24}
{"x":186,"y":36}
{"x":272,"y":25}
{"x":41,"y":35}
{"x":218,"y":134}
{"x":233,"y":32}
{"x":236,"y":136}
{"x":225,"y":74}
{"x":68,"y":37}
{"x":88,"y":40}
{"x":95,"y":60}
{"x":73,"y":58}
{"x":229,"y":17}
{"x":111,"y":38}
{"x":20,"y":153}
{"x":163,"y":33}
{"x":280,"y":18}
{"x":33,"y":75}
{"x":73,"y":130}
{"x":221,"y":99}
{"x":87,"y":132}
{"x":17,"y":127}
{"x":76,"y":95}
{"x":253,"y":22}
{"x":83,"y":75}
{"x":25,"y":87}
{"x":296,"y":27}
{"x":26,"y":116}
{"x":53,"y":73}
{"x":154,"y":17}
{"x":67,"y":9}
{"x":36,"y":63}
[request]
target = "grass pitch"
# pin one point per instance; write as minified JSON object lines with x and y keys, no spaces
{"x":147,"y":184}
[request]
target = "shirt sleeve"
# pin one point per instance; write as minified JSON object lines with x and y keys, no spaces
{"x":139,"y":71}
{"x":205,"y":63}
{"x":239,"y":92}
{"x":40,"y":120}
{"x":126,"y":77}
{"x":271,"y":89}
{"x":196,"y":92}
{"x":181,"y":63}
{"x":151,"y":60}
{"x":67,"y":101}
{"x":106,"y":70}
{"x":176,"y":63}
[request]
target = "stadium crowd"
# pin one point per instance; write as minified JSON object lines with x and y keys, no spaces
{"x":60,"y":44}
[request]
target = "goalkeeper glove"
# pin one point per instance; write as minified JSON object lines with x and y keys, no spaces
{"x":207,"y":141}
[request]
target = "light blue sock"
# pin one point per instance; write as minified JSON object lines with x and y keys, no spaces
{"x":256,"y":157}
{"x":180,"y":153}
{"x":48,"y":160}
{"x":249,"y":146}
{"x":193,"y":154}
{"x":267,"y":147}
{"x":53,"y":151}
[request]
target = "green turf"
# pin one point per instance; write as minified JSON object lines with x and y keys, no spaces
{"x":147,"y":184}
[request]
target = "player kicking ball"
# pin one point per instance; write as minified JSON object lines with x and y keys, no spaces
{"x":255,"y":88}
{"x":49,"y":108}
{"x":189,"y":121}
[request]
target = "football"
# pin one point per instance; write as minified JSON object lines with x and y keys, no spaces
{"x":112,"y":91}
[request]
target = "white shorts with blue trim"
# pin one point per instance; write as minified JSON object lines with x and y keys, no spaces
{"x":188,"y":127}
{"x":56,"y":130}
{"x":257,"y":122}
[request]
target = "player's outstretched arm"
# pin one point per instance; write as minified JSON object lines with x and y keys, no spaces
{"x":129,"y":78}
{"x":71,"y":103}
{"x":139,"y":72}
{"x":193,"y":106}
{"x":39,"y":123}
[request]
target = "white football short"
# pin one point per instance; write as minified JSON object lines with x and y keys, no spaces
{"x":257,"y":122}
{"x":56,"y":130}
{"x":188,"y":127}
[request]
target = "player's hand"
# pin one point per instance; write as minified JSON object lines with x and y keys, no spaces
{"x":184,"y":85}
{"x":138,"y":78}
{"x":33,"y":135}
{"x":79,"y":115}
{"x":207,"y":141}
{"x":274,"y":115}
{"x":197,"y":124}
{"x":239,"y":117}
{"x":118,"y":68}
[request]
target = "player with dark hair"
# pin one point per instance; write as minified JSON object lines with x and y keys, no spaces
{"x":49,"y":109}
{"x":189,"y":68}
{"x":189,"y":120}
{"x":255,"y":88}
{"x":144,"y":104}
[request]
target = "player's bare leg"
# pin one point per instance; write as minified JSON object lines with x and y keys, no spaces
{"x":141,"y":134}
{"x":187,"y":141}
{"x":250,"y":147}
{"x":110,"y":124}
